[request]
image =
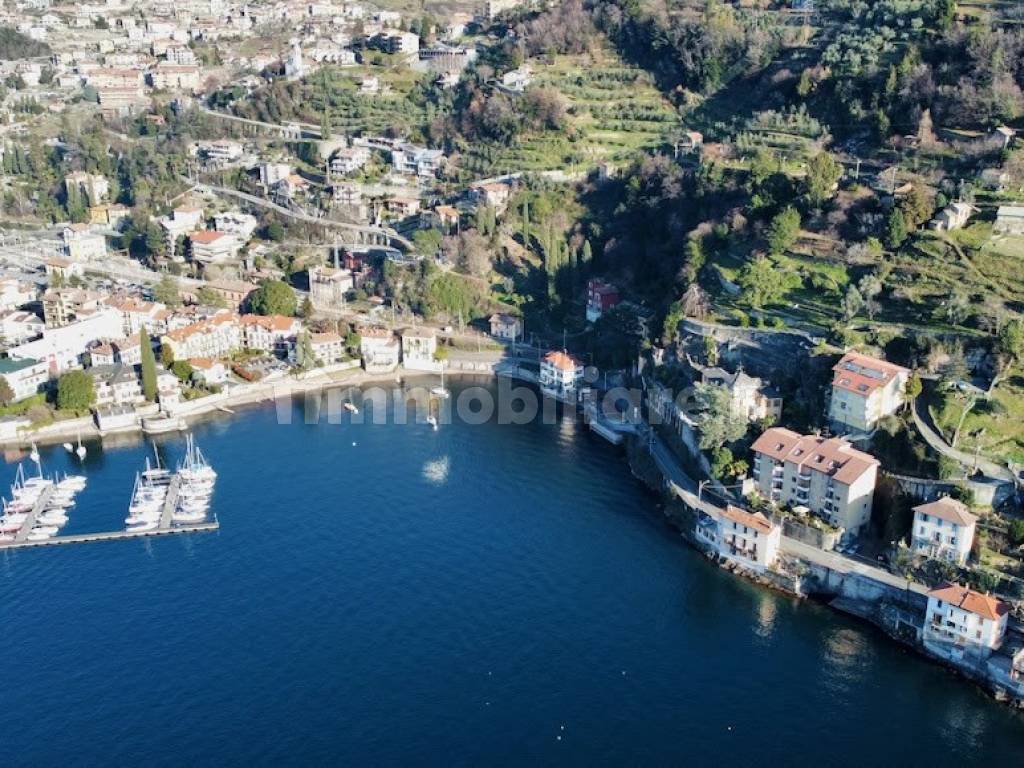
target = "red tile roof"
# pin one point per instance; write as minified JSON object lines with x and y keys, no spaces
{"x":832,"y":456}
{"x":862,"y":374}
{"x":967,"y":599}
{"x":561,"y":361}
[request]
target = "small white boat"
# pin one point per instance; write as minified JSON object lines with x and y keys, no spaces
{"x":351,"y":407}
{"x":34,"y":455}
{"x":6,"y":538}
{"x":49,"y":530}
{"x":432,"y":421}
{"x":145,"y":525}
{"x":193,"y":516}
{"x":73,"y":483}
{"x":52,"y":518}
{"x":80,"y":451}
{"x":440,"y":391}
{"x":37,"y":535}
{"x":69,"y":447}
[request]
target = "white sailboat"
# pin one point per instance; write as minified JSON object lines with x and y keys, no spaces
{"x":440,"y":391}
{"x":80,"y":451}
{"x":34,"y":455}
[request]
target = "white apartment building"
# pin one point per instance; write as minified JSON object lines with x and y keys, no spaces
{"x":270,"y":333}
{"x":560,"y":374}
{"x":65,"y":305}
{"x":82,"y":244}
{"x":943,"y":530}
{"x":242,"y":225}
{"x":865,"y":390}
{"x":181,"y":222}
{"x":328,"y":286}
{"x":416,"y":161}
{"x":964,"y":619}
{"x":747,"y":538}
{"x":828,"y":476}
{"x":214,"y":338}
{"x":136,"y":313}
{"x":209,"y":246}
{"x":217,"y":153}
{"x":379,"y":349}
{"x":348,"y":160}
{"x":18,"y":326}
{"x":419,"y":346}
{"x":25,"y":377}
{"x":15,"y":293}
{"x":64,"y":347}
{"x":327,"y":347}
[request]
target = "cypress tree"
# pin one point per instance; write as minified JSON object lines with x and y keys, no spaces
{"x":148,"y":366}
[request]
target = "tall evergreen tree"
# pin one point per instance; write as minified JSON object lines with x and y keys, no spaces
{"x":148,"y":365}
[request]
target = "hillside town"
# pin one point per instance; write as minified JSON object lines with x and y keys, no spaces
{"x":809,"y":334}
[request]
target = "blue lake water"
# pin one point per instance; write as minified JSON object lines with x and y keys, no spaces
{"x":475,"y":595}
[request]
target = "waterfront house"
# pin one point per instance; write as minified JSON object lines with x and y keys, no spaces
{"x":505,"y":326}
{"x":379,"y":349}
{"x":24,"y":377}
{"x":961,"y":621}
{"x":328,"y":347}
{"x":747,"y":538}
{"x":419,"y":347}
{"x":943,"y":530}
{"x":213,"y":337}
{"x":270,"y":333}
{"x":208,"y":372}
{"x":560,"y":374}
{"x":116,"y":385}
{"x":865,"y":390}
{"x":826,"y":475}
{"x":601,"y":297}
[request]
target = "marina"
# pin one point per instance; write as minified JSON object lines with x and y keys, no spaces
{"x":162,"y":503}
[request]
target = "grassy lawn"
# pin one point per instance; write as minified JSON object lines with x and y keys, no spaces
{"x":1003,"y":436}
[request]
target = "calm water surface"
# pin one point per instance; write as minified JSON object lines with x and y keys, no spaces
{"x":478,"y":595}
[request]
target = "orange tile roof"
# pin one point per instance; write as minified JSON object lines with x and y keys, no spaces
{"x":948,"y":509}
{"x":862,"y":374}
{"x":832,"y":456}
{"x":754,"y":520}
{"x":967,"y":599}
{"x":206,"y":236}
{"x":270,"y":322}
{"x":561,"y":361}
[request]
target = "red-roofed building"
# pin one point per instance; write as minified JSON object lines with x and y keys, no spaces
{"x":965,"y":619}
{"x":747,"y":538}
{"x":560,"y":374}
{"x":828,"y":476}
{"x":865,"y":390}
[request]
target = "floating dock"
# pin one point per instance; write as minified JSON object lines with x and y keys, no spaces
{"x":20,"y":538}
{"x":170,"y":502}
{"x":82,"y":538}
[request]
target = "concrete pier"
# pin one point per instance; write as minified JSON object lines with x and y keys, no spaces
{"x":82,"y":538}
{"x":22,"y":535}
{"x":170,"y":502}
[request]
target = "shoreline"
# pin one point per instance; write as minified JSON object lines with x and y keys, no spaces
{"x":257,"y":392}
